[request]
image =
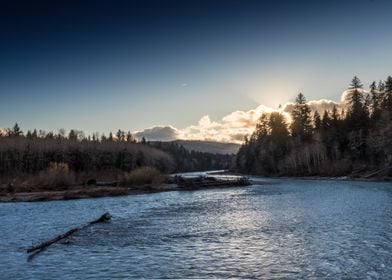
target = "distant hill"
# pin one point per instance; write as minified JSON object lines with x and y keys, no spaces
{"x":209,"y":146}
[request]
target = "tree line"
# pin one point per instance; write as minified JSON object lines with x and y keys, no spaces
{"x":355,"y":139}
{"x":24,"y":154}
{"x":193,"y":160}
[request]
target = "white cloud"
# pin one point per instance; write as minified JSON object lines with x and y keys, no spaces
{"x":162,"y":133}
{"x":315,"y":105}
{"x":346,"y":94}
{"x":232,"y":127}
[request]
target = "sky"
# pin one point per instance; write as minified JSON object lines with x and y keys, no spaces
{"x":182,"y":69}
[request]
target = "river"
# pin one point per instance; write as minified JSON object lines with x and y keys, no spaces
{"x":291,"y":229}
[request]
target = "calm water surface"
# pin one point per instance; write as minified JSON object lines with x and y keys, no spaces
{"x":292,"y":229}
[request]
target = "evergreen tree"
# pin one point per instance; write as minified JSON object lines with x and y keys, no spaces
{"x":34,"y":134}
{"x":301,"y":126}
{"x":387,"y":100}
{"x":334,"y":117}
{"x":129,"y":137}
{"x":317,"y":121}
{"x":375,"y":102}
{"x":326,"y":121}
{"x":278,"y":132}
{"x":381,"y":86}
{"x":262,"y":128}
{"x":72,"y":135}
{"x":277,"y":126}
{"x":120,"y":135}
{"x":15,"y":131}
{"x":357,"y":115}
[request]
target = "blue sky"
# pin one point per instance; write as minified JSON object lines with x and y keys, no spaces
{"x":104,"y":65}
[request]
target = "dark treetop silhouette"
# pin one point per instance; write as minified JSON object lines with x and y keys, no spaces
{"x":357,"y":139}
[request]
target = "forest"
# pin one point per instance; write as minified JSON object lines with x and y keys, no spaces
{"x":26,"y":155}
{"x":354,"y":140}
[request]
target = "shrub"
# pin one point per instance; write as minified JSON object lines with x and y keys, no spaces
{"x":142,"y":176}
{"x":56,"y":176}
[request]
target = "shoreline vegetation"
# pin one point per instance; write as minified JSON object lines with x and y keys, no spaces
{"x":156,"y":182}
{"x":40,"y":165}
{"x":149,"y":180}
{"x":141,"y":181}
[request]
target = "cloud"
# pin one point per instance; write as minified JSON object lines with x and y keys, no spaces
{"x":315,"y":105}
{"x":232,"y":127}
{"x":158,"y":133}
{"x":346,"y":94}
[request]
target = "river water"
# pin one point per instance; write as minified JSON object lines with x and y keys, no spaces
{"x":291,"y":229}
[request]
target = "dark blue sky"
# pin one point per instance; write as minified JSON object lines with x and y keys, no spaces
{"x":103,"y":65}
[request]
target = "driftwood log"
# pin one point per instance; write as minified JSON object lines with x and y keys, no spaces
{"x":205,"y":182}
{"x":35,"y":249}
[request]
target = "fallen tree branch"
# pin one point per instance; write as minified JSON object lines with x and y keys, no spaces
{"x":378,"y":172}
{"x":104,"y":217}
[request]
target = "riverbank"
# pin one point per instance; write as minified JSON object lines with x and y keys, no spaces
{"x":176,"y":183}
{"x":80,"y":192}
{"x":350,"y":177}
{"x":95,"y":191}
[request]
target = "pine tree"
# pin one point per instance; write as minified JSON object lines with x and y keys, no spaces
{"x":387,"y":100}
{"x":375,"y":102}
{"x":334,"y":117}
{"x":357,"y":115}
{"x":301,"y":126}
{"x":129,"y":137}
{"x":326,"y":121}
{"x":278,"y":127}
{"x":15,"y":131}
{"x":326,"y":124}
{"x":316,"y":121}
{"x":34,"y":134}
{"x":120,"y":135}
{"x":72,"y":135}
{"x":381,"y":86}
{"x":262,"y":128}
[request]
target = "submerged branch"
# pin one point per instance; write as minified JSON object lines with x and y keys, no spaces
{"x":38,"y":248}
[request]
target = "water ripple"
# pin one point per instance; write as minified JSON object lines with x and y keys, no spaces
{"x":290,"y":230}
